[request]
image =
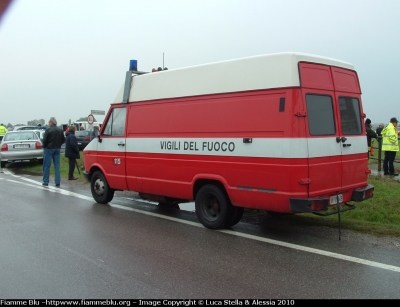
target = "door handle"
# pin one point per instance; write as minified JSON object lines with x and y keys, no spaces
{"x":121,"y":144}
{"x":340,"y":139}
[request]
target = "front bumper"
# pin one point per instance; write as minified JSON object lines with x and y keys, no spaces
{"x":88,"y":176}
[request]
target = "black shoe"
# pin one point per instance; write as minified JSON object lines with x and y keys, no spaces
{"x":73,"y":178}
{"x":45,"y":184}
{"x":394,"y":174}
{"x":57,"y":185}
{"x":386,"y":173}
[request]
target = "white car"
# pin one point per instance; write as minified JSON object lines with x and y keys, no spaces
{"x":22,"y":145}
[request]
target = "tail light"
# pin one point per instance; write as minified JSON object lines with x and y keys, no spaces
{"x":38,"y":145}
{"x":369,"y":193}
{"x":4,"y":147}
{"x":86,"y":138}
{"x":318,"y":205}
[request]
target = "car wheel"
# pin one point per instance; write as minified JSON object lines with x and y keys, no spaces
{"x":3,"y":164}
{"x":40,"y":161}
{"x":213,"y":207}
{"x":101,"y":191}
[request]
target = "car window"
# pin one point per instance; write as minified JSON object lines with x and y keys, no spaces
{"x":82,"y":133}
{"x":10,"y":137}
{"x":39,"y":133}
{"x":115,"y":125}
{"x":27,"y":136}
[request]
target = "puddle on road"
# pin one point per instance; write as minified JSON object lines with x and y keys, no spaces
{"x":187,"y":207}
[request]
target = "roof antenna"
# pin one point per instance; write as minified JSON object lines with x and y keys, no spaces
{"x":164,"y":68}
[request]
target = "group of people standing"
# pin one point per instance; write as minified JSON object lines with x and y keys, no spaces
{"x":53,"y":139}
{"x":390,"y":143}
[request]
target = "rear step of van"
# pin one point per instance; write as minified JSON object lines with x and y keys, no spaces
{"x":337,"y":211}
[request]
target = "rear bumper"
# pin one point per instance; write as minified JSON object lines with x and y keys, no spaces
{"x":313,"y":205}
{"x":22,"y":155}
{"x":308,"y":204}
{"x":363,"y":193}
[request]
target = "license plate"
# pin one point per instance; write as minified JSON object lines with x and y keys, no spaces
{"x":79,"y":143}
{"x":333,"y":199}
{"x":21,"y":146}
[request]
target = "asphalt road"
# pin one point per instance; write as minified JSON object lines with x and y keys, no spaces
{"x":60,"y":244}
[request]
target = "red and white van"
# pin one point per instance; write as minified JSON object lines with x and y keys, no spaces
{"x":279,"y":132}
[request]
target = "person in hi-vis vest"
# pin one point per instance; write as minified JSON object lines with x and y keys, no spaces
{"x":390,"y":145}
{"x":3,"y":131}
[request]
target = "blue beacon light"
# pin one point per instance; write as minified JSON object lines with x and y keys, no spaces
{"x":133,"y":65}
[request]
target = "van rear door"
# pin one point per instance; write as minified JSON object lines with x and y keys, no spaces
{"x":336,"y":143}
{"x":351,"y":128}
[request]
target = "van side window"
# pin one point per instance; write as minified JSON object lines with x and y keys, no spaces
{"x":321,"y":120}
{"x":115,"y":125}
{"x":350,"y":115}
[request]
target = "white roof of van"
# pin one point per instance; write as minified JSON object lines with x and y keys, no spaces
{"x":278,"y":70}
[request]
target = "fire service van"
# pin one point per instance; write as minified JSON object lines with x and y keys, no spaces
{"x":280,"y":132}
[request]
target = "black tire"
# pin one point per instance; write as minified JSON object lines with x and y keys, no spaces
{"x":3,"y":164}
{"x":236,"y":215}
{"x":101,"y":191}
{"x":40,"y":161}
{"x":213,"y":208}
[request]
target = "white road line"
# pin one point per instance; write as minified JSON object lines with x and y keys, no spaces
{"x":36,"y":184}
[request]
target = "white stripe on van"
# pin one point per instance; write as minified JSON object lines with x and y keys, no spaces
{"x":235,"y":147}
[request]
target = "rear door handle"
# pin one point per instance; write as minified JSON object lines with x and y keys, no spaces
{"x":121,"y":144}
{"x":340,"y":139}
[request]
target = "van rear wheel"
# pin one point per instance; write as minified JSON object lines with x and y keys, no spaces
{"x":236,"y":215}
{"x":101,"y":191}
{"x":213,"y":208}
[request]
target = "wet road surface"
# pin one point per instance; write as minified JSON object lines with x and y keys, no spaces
{"x":59,"y":243}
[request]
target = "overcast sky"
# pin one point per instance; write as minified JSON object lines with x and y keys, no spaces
{"x":64,"y":58}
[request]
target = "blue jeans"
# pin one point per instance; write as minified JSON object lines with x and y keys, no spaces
{"x":49,"y":155}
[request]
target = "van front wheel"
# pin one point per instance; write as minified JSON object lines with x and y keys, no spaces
{"x":101,"y":191}
{"x":212,"y":207}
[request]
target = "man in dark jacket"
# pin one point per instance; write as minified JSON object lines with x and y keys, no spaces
{"x":370,"y":134}
{"x":379,"y":129}
{"x":71,"y":151}
{"x":52,"y":140}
